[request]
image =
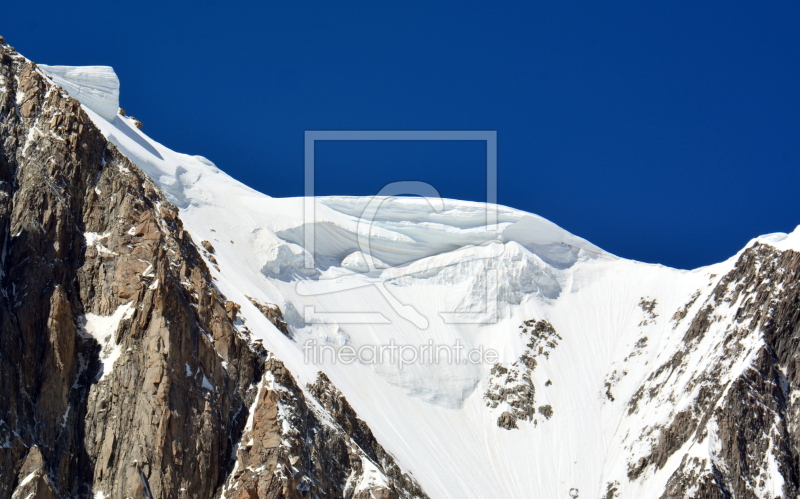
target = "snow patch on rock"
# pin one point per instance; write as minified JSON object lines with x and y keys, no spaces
{"x":371,"y":479}
{"x":103,"y":328}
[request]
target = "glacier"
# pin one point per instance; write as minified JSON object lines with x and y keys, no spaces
{"x":612,"y":315}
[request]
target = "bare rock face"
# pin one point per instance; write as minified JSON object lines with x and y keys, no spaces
{"x":34,"y":481}
{"x":293,"y":448}
{"x":274,"y":315}
{"x":121,"y":367}
{"x":85,"y":235}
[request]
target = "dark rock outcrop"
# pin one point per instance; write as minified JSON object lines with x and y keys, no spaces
{"x":511,"y":387}
{"x":296,"y":448}
{"x":91,"y":247}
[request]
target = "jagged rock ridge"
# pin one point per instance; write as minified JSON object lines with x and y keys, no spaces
{"x":123,"y":369}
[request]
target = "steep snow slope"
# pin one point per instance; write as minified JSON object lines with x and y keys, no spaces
{"x":434,"y":273}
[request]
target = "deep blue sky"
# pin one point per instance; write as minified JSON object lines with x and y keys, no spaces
{"x":665,"y":132}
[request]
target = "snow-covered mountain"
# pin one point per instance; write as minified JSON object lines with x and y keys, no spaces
{"x":210,"y":346}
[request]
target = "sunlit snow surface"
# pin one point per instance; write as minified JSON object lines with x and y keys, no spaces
{"x":433,"y":418}
{"x":96,"y":87}
{"x":103,"y":329}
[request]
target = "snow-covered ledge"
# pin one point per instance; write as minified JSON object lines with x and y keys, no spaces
{"x":96,"y":87}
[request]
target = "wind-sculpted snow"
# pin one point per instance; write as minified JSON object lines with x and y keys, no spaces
{"x":410,"y":229}
{"x":96,"y":87}
{"x":781,"y":241}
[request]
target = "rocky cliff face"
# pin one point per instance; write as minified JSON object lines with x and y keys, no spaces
{"x":748,"y":416}
{"x":122,"y":368}
{"x":294,"y":447}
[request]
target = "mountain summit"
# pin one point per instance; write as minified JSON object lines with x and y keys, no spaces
{"x":168,"y":332}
